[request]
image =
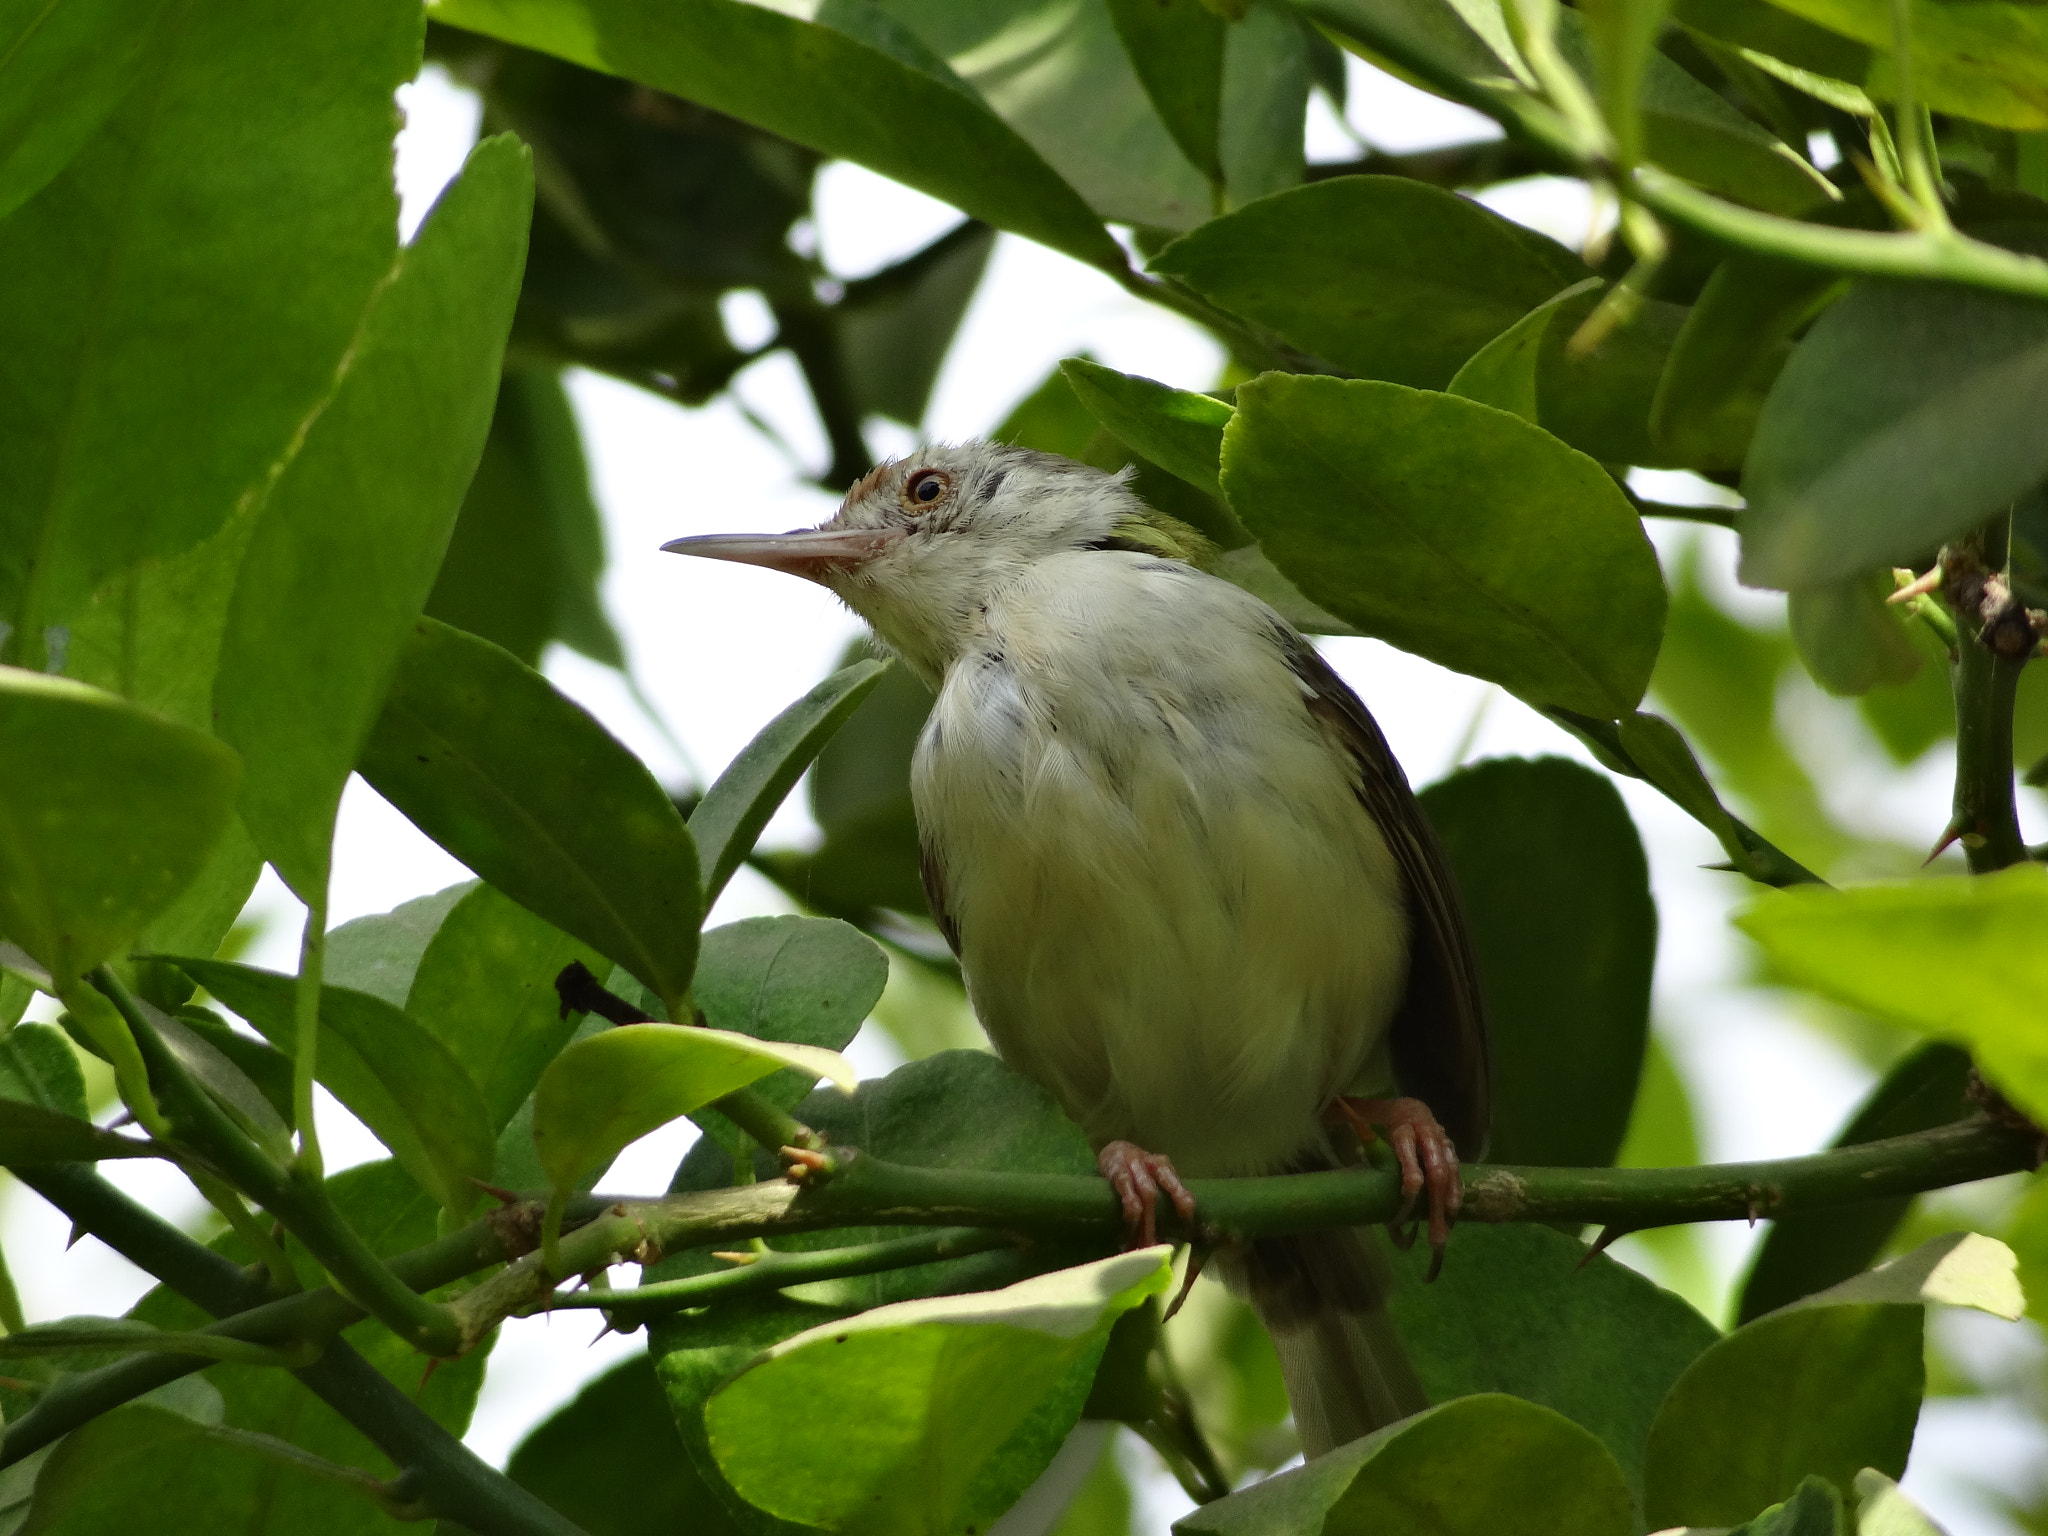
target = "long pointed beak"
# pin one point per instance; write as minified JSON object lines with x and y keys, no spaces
{"x":813,"y":553}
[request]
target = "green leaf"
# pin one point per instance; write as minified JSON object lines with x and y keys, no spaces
{"x":524,"y":562}
{"x":1815,"y":1509}
{"x":1861,"y":461}
{"x":1526,"y":1310}
{"x":1487,"y":1465}
{"x":223,"y":1078}
{"x":896,"y":327}
{"x":400,"y":1081}
{"x":1987,"y":60}
{"x":606,"y":1092}
{"x":736,"y":807}
{"x":1343,"y":269}
{"x":1957,"y":1269}
{"x":105,"y":1339}
{"x":1503,"y":373}
{"x":358,"y":520}
{"x":1809,"y":1251}
{"x":1850,"y":638}
{"x":1959,"y":959}
{"x":528,"y":790}
{"x":1178,"y":430}
{"x":30,"y":1133}
{"x":63,"y":68}
{"x":1366,"y":494}
{"x":1812,"y":1391}
{"x":858,"y":87}
{"x":1621,"y":38}
{"x":2027,"y":1233}
{"x":940,"y":1412}
{"x":1884,"y":1511}
{"x":1176,"y":47}
{"x":1732,"y":345}
{"x":616,"y":1434}
{"x":485,"y":987}
{"x":1558,"y":893}
{"x":380,"y":954}
{"x":179,"y":294}
{"x":798,"y":980}
{"x":107,"y":812}
{"x":37,"y":1066}
{"x":1267,"y":73}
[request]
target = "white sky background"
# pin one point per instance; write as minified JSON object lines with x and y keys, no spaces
{"x":721,"y":648}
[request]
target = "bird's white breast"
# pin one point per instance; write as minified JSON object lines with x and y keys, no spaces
{"x":1172,"y":909}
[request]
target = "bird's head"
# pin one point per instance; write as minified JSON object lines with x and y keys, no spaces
{"x":923,"y":544}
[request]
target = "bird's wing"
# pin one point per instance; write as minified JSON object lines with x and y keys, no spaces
{"x":1438,"y":1035}
{"x":934,"y":877}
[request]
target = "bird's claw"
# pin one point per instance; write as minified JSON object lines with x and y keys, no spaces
{"x":1427,"y":1159}
{"x":1139,"y":1177}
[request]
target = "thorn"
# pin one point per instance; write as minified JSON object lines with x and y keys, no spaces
{"x":1609,"y":1234}
{"x":502,"y":1196}
{"x":1198,"y":1255}
{"x":1723,"y":868}
{"x":1950,"y":834}
{"x":738,"y":1258}
{"x":78,"y":1230}
{"x":800,"y":1163}
{"x":1915,"y":586}
{"x":426,"y":1376}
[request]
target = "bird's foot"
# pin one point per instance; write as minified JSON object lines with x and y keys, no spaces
{"x":1428,"y":1160}
{"x":1138,"y":1177}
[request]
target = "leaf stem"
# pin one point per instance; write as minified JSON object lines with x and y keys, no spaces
{"x":449,"y":1479}
{"x":297,"y":1197}
{"x":306,"y":1040}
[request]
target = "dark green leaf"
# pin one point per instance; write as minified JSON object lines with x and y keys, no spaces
{"x":896,"y":327}
{"x":925,"y":1414}
{"x":345,"y":552}
{"x":1817,"y":1391}
{"x":485,"y":987}
{"x":606,"y":1092}
{"x":1850,"y":638}
{"x":400,"y":1081}
{"x":31,"y":1134}
{"x":1178,"y":430}
{"x":524,"y":562}
{"x":736,"y":808}
{"x":63,"y":68}
{"x":222,"y":1077}
{"x":1266,"y":79}
{"x":107,"y":812}
{"x":178,"y":297}
{"x":615,"y":1435}
{"x":1525,"y":1310}
{"x":1488,"y":1465}
{"x":1176,"y":47}
{"x":1558,"y":892}
{"x":1863,"y":460}
{"x":1805,"y":1253}
{"x":1366,"y":494}
{"x":533,"y":794}
{"x":1789,"y":43}
{"x":1730,"y":348}
{"x":1051,"y":419}
{"x":1344,"y":268}
{"x":37,"y":1067}
{"x":859,"y":87}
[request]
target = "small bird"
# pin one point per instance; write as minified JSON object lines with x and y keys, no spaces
{"x":1190,"y":890}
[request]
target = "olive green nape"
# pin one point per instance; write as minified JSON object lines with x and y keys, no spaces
{"x":1161,"y":533}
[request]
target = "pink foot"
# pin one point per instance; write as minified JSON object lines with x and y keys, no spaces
{"x":1138,"y":1176}
{"x":1426,"y":1156}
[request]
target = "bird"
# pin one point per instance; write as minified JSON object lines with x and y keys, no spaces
{"x":1189,"y":887}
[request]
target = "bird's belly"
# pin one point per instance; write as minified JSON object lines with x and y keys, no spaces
{"x":1192,"y":949}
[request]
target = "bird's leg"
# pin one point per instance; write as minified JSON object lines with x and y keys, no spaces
{"x":1138,"y":1176}
{"x":1427,"y":1158}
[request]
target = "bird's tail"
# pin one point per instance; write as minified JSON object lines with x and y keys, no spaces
{"x":1323,"y":1298}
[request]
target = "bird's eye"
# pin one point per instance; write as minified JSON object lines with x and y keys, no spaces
{"x":925,"y":487}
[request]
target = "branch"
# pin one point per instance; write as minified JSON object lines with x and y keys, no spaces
{"x":449,"y":1478}
{"x":1994,"y":639}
